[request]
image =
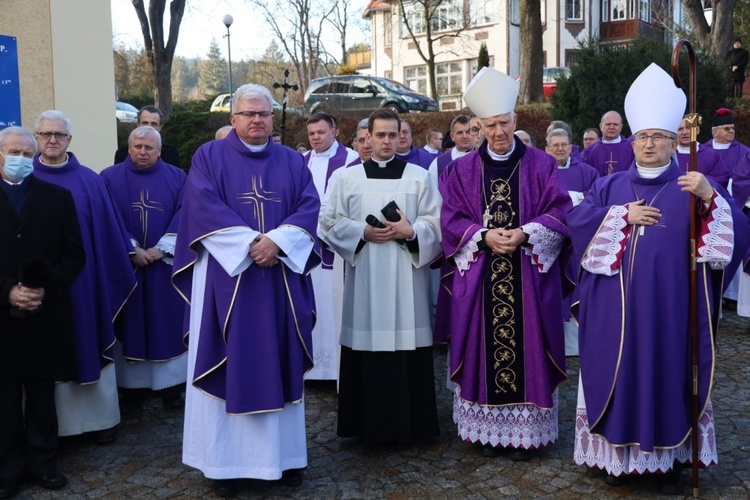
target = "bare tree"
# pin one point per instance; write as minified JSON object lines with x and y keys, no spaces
{"x":427,"y":22}
{"x":532,"y":54}
{"x":339,"y":18}
{"x":160,"y":54}
{"x":714,"y":39}
{"x":298,"y":26}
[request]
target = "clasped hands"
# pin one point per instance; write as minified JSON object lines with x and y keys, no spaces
{"x":401,"y":230}
{"x":504,"y":241}
{"x":263,"y":251}
{"x":142,"y":257}
{"x":24,"y":298}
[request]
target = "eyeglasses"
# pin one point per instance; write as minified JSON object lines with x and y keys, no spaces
{"x":726,"y":128}
{"x":474,"y":130}
{"x":654,"y":138}
{"x":49,"y":135}
{"x":252,"y":114}
{"x":562,"y":145}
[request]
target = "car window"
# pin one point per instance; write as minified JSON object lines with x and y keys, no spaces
{"x":323,"y":89}
{"x":339,"y":87}
{"x":225,"y":102}
{"x":360,"y":86}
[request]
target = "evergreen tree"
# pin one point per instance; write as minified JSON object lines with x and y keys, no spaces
{"x":214,"y":73}
{"x":484,"y":57}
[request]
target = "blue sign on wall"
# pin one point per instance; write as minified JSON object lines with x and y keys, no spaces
{"x":10,"y":89}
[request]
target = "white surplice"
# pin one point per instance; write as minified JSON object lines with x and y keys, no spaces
{"x":87,"y":407}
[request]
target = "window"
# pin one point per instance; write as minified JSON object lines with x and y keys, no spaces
{"x":475,"y":70}
{"x":447,"y":16}
{"x":416,"y":78}
{"x":515,"y":12}
{"x":618,"y":10}
{"x":449,"y":78}
{"x":483,"y":12}
{"x":605,"y":10}
{"x":644,"y":11}
{"x":413,"y":16}
{"x":573,"y":10}
{"x":361,"y":86}
{"x":387,"y":28}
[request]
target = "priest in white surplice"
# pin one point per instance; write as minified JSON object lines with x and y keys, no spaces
{"x":324,"y":161}
{"x":245,"y":248}
{"x":386,"y":386}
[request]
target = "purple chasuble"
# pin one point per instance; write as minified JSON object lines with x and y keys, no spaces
{"x":731,"y":156}
{"x":334,"y":162}
{"x":633,"y":326}
{"x":609,"y":158}
{"x":543,"y":200}
{"x":443,"y":160}
{"x":579,"y":176}
{"x":107,"y":279}
{"x":417,"y":156}
{"x":256,"y":328}
{"x":149,"y":199}
{"x":709,"y":163}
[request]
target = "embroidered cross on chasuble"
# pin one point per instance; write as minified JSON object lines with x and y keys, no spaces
{"x":258,"y":197}
{"x":503,"y":302}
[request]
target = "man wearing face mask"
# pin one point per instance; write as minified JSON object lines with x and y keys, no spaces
{"x":42,"y":256}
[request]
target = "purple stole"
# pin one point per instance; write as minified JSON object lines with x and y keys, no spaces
{"x":334,"y":162}
{"x":107,"y":279}
{"x":634,"y":356}
{"x":256,"y":328}
{"x":149,"y":200}
{"x":417,"y":156}
{"x":442,"y":161}
{"x":542,"y":200}
{"x":609,"y":158}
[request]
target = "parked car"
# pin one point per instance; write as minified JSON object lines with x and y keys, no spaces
{"x":126,"y":113}
{"x":363,"y":93}
{"x":549,"y":80}
{"x":221,"y":103}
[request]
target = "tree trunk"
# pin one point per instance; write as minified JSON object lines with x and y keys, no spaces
{"x":715,"y":39}
{"x":532,"y":60}
{"x":163,"y":86}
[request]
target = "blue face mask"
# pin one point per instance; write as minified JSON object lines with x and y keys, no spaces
{"x":17,"y":168}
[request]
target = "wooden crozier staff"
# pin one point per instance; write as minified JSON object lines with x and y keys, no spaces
{"x":693,"y":121}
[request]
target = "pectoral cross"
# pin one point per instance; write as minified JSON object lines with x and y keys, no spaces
{"x":610,"y":164}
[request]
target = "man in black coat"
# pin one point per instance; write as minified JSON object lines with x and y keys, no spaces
{"x":42,"y":255}
{"x":737,"y":57}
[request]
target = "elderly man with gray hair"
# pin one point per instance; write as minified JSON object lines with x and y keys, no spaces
{"x":88,"y":401}
{"x":150,"y":353}
{"x":244,"y":254}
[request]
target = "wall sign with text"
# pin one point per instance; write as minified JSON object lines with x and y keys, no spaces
{"x":10,"y":89}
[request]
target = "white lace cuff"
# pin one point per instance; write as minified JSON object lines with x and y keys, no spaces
{"x":544,"y":245}
{"x":603,"y":254}
{"x":468,"y":253}
{"x":717,"y":239}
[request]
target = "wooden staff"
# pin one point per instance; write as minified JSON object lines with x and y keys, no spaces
{"x":693,"y":122}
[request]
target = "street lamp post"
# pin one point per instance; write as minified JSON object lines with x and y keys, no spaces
{"x":228,"y":20}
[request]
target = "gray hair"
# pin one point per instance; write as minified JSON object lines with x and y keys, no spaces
{"x":53,"y":115}
{"x":6,"y":132}
{"x":222,"y":130}
{"x":252,"y":91}
{"x":558,"y":132}
{"x":362,"y":124}
{"x":555,"y":124}
{"x":142,"y":132}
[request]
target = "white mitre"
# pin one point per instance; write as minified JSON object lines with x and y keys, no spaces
{"x":654,"y":102}
{"x":491,"y":93}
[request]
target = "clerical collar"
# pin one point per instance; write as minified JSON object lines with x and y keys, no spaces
{"x":67,"y":159}
{"x":651,"y":173}
{"x":567,"y":164}
{"x":254,"y":147}
{"x":431,"y":150}
{"x":717,"y":145}
{"x":613,"y":141}
{"x":328,"y":152}
{"x":382,"y":164}
{"x":456,"y":154}
{"x":685,"y":150}
{"x":504,"y":157}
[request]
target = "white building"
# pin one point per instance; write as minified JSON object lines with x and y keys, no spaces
{"x":465,"y":24}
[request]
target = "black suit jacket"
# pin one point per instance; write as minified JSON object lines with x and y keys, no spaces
{"x":41,"y":345}
{"x":169,"y":154}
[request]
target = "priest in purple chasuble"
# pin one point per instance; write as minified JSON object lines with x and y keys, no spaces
{"x":147,"y":192}
{"x":503,"y":225}
{"x":406,"y":151}
{"x":325,"y":158}
{"x":88,"y":402}
{"x":631,"y":241}
{"x":613,"y":152}
{"x":709,"y":163}
{"x":246,"y":245}
{"x":386,"y":381}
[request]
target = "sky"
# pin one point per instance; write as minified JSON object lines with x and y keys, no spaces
{"x":203,"y":20}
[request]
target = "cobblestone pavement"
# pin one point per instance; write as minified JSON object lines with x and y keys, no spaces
{"x":145,"y":461}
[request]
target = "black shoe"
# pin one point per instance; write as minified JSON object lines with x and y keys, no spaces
{"x":522,"y":454}
{"x":729,"y":304}
{"x":226,"y":488}
{"x":615,"y":480}
{"x":9,"y":489}
{"x":489,"y":451}
{"x":672,"y":481}
{"x":292,"y":477}
{"x":51,"y":481}
{"x":106,"y":436}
